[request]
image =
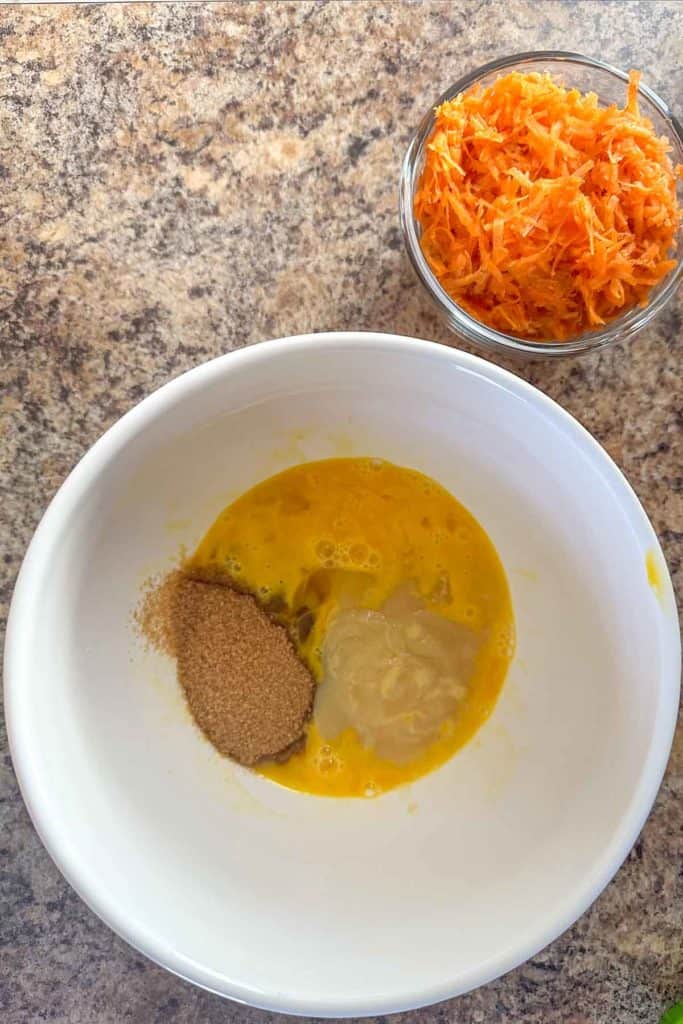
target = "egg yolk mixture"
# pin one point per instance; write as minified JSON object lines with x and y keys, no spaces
{"x":397,"y":602}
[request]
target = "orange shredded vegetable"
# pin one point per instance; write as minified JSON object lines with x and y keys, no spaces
{"x":544,"y":214}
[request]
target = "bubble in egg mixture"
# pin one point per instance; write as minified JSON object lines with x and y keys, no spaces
{"x":324,"y":549}
{"x":327,"y":760}
{"x":359,"y":554}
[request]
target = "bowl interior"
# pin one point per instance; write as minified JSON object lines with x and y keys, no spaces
{"x":344,"y":906}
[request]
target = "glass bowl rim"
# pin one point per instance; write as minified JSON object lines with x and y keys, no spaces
{"x":473,"y":330}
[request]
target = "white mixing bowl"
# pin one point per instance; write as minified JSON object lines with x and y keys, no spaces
{"x":344,"y":907}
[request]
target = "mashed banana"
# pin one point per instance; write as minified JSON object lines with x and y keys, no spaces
{"x":395,"y":676}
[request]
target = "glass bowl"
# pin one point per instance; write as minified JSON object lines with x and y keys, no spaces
{"x":575,"y":71}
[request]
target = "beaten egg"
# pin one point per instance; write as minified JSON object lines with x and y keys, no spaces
{"x":384,"y":580}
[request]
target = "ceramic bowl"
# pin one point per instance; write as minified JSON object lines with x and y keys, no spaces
{"x":343,"y":907}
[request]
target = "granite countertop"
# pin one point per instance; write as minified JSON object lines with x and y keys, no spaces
{"x":180,"y":180}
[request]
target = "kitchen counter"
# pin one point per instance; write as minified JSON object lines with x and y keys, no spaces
{"x":180,"y":180}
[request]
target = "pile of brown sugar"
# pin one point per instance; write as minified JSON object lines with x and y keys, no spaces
{"x":245,"y":686}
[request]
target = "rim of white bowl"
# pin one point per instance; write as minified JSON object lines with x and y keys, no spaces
{"x":82,"y":876}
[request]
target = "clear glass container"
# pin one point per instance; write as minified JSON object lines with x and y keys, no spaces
{"x":575,"y":71}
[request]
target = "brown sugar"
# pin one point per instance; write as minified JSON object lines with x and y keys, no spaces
{"x":245,"y":686}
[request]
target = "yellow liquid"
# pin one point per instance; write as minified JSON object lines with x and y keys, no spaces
{"x":654,"y":576}
{"x":349,"y":533}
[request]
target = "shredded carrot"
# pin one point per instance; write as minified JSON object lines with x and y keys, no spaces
{"x":544,"y":214}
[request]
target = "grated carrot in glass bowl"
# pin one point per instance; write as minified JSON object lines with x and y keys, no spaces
{"x":543,"y":213}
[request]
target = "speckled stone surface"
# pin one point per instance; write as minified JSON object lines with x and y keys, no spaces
{"x":181,"y":180}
